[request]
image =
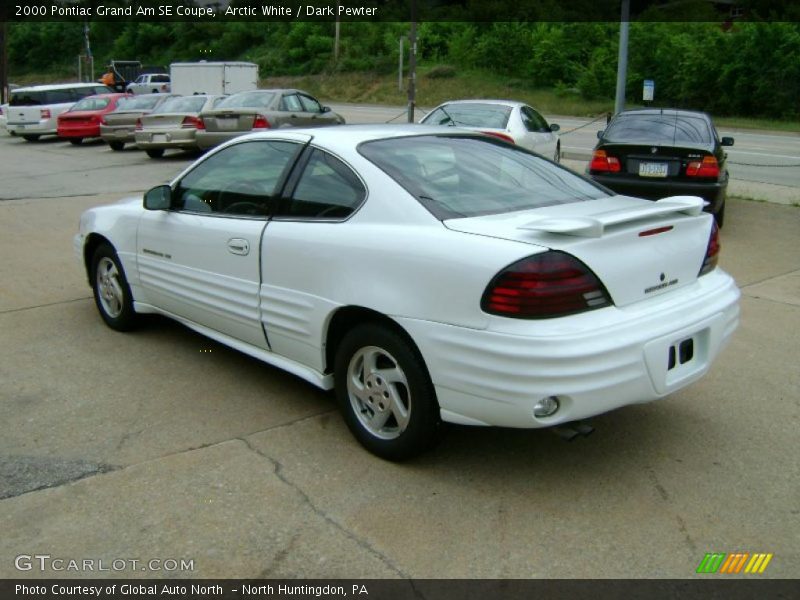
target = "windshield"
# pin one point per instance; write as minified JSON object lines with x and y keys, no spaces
{"x":493,"y":116}
{"x":653,"y":128}
{"x":91,"y":103}
{"x":133,"y":102}
{"x":188,"y":104}
{"x":467,"y":176}
{"x":248,"y":100}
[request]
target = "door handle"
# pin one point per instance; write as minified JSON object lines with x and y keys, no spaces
{"x":238,"y":246}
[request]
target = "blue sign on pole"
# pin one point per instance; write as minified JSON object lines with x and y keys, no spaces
{"x":649,"y":90}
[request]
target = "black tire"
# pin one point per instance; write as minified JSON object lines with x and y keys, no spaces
{"x":155,"y":152}
{"x":112,"y":295}
{"x":364,"y":400}
{"x":116,"y":146}
{"x":720,"y":215}
{"x":30,"y":138}
{"x":76,"y":141}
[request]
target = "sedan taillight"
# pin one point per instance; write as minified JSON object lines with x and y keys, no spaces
{"x":260,"y":122}
{"x":709,"y":167}
{"x":192,"y":123}
{"x":44,"y":113}
{"x":139,"y":125}
{"x":712,"y":251}
{"x":547,"y":285}
{"x":603,"y":163}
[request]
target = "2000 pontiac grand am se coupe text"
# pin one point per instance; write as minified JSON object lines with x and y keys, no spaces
{"x":426,"y":275}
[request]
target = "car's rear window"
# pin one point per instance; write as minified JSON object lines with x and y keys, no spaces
{"x":188,"y":104}
{"x":658,"y":128}
{"x":91,"y":103}
{"x":134,"y":102}
{"x":467,"y":176}
{"x":248,"y":100}
{"x":41,"y":98}
{"x":494,"y":116}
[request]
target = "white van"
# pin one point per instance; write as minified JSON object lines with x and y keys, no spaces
{"x":33,"y":111}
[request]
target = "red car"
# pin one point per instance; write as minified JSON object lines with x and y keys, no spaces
{"x":83,"y":119}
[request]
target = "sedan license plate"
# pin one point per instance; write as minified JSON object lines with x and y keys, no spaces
{"x":159,"y":137}
{"x":648,"y":169}
{"x":227,"y":124}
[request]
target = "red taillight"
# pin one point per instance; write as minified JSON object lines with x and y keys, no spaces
{"x":192,"y":123}
{"x":44,"y":113}
{"x":139,"y":125}
{"x":260,"y":122}
{"x":502,"y":136}
{"x":103,"y":121}
{"x":551,"y":284}
{"x":603,"y":163}
{"x":712,"y":251}
{"x":707,"y":168}
{"x":164,"y":88}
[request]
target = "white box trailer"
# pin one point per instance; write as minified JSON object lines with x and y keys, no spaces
{"x":213,"y":77}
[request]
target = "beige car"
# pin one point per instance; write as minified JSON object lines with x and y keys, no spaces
{"x":117,"y":127}
{"x":173,"y":124}
{"x":259,"y":110}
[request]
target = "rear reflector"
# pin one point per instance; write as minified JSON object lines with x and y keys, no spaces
{"x":502,"y":136}
{"x":603,"y":163}
{"x":655,"y":231}
{"x":707,"y":168}
{"x":139,"y":125}
{"x":44,"y":113}
{"x":712,"y":251}
{"x":543,"y":286}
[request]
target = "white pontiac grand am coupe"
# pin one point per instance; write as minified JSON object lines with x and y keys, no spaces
{"x":426,"y":275}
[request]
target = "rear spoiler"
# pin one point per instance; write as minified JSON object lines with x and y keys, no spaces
{"x":595,"y":225}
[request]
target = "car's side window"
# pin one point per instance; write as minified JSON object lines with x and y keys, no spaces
{"x":309,"y":104}
{"x":242,"y":180}
{"x":327,"y":189}
{"x":533,"y":121}
{"x":291,"y":103}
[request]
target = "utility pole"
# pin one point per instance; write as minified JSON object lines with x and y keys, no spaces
{"x":412,"y":63}
{"x":622,"y":60}
{"x":3,"y":62}
{"x":336,"y":38}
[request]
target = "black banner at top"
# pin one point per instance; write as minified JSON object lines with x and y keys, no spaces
{"x":397,"y":10}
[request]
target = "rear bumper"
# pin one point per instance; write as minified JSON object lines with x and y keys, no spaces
{"x":43,"y":127}
{"x":117,"y":134}
{"x":594,"y":362}
{"x":209,"y":139}
{"x":79,"y":131}
{"x":653,"y":189}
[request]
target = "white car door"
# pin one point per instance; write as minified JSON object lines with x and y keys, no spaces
{"x":537,"y":135}
{"x":200,"y":260}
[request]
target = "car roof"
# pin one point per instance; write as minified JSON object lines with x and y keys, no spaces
{"x":510,"y":103}
{"x":352,"y":135}
{"x":672,"y":112}
{"x":55,"y":86}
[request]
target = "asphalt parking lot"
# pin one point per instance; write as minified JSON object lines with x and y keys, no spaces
{"x":161,"y":444}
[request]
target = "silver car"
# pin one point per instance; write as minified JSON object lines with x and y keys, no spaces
{"x":512,"y":121}
{"x":173,"y":124}
{"x":258,"y":110}
{"x":117,"y":127}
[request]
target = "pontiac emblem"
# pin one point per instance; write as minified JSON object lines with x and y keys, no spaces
{"x":653,"y":150}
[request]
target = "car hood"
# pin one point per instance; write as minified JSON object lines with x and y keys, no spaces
{"x":618,"y":237}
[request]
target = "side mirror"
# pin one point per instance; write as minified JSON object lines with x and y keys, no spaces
{"x":158,"y":198}
{"x":600,"y":134}
{"x":554,"y":126}
{"x":326,"y":109}
{"x":727,"y":141}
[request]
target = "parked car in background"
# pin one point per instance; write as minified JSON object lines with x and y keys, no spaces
{"x":653,"y":153}
{"x":426,"y":274}
{"x":173,"y":124}
{"x":4,"y":117}
{"x":150,"y":83}
{"x":33,"y":111}
{"x":262,"y":109}
{"x":118,"y":126}
{"x":83,"y":119}
{"x":511,"y":121}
